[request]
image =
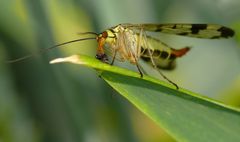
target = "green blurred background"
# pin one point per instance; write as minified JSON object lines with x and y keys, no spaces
{"x":68,"y":103}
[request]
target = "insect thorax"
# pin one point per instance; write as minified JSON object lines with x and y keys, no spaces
{"x":123,"y":42}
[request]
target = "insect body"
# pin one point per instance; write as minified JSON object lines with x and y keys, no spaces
{"x":131,"y":45}
{"x":130,"y":42}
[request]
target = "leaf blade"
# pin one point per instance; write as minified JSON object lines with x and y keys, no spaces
{"x":184,"y":115}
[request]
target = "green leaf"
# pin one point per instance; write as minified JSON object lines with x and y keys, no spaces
{"x":184,"y":115}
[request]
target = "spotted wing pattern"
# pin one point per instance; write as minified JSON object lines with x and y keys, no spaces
{"x":207,"y":31}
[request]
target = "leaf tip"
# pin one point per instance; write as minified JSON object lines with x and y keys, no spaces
{"x":72,"y":59}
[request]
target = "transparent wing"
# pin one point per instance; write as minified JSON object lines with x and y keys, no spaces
{"x":208,"y":31}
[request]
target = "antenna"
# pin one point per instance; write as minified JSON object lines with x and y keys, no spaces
{"x":47,"y":49}
{"x":88,"y":33}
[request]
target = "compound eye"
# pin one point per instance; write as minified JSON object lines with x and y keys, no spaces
{"x":104,"y":34}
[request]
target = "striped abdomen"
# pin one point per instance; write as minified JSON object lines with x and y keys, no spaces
{"x":163,"y":59}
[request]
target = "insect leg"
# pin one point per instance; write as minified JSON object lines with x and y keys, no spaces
{"x":142,"y":70}
{"x":114,"y":56}
{"x":165,"y":77}
{"x":137,"y":53}
{"x":138,"y":67}
{"x":154,"y":65}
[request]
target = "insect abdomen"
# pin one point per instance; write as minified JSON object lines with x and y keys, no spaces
{"x":163,"y":59}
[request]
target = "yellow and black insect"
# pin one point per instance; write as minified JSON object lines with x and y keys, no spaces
{"x":130,"y":42}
